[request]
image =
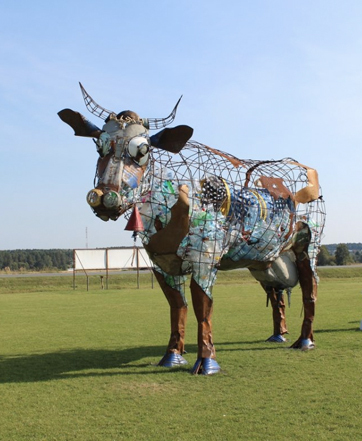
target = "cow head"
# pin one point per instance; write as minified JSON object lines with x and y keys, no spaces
{"x":125,"y":150}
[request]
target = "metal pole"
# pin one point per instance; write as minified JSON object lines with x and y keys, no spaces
{"x":138,"y":268}
{"x":106,"y":268}
{"x":73,"y":269}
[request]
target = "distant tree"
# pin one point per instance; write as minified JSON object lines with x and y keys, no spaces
{"x":36,"y":259}
{"x":358,"y":256}
{"x":342,"y":254}
{"x":325,"y":257}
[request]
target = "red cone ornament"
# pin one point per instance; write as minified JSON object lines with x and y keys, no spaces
{"x":135,"y":222}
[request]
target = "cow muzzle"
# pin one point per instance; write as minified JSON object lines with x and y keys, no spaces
{"x":105,"y":204}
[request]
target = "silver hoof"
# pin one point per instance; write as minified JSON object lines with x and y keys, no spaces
{"x":276,"y":339}
{"x":172,"y":360}
{"x":206,"y":366}
{"x":307,"y":344}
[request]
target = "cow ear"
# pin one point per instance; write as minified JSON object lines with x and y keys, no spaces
{"x":172,"y":140}
{"x":80,"y":125}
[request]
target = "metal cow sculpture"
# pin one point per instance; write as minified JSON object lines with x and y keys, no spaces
{"x":198,"y":210}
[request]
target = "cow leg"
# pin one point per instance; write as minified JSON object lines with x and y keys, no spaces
{"x":203,"y":307}
{"x":178,"y":316}
{"x":276,"y":298}
{"x":308,"y":285}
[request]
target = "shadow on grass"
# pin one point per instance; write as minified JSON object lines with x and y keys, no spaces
{"x":223,"y":346}
{"x":85,"y":362}
{"x":77,"y":363}
{"x":320,"y":331}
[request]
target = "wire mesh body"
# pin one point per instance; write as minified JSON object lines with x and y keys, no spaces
{"x":232,"y":217}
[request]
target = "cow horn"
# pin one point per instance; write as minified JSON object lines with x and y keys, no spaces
{"x":93,"y":107}
{"x":158,"y":123}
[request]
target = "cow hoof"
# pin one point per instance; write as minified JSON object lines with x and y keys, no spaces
{"x":276,"y":339}
{"x":306,"y":344}
{"x":171,"y":360}
{"x":205,"y":366}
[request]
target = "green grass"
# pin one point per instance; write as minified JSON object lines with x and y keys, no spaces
{"x":78,"y":365}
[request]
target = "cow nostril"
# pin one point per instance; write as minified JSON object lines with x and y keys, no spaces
{"x":112,"y":199}
{"x":94,"y":197}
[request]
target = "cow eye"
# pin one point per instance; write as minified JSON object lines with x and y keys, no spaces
{"x":138,"y":148}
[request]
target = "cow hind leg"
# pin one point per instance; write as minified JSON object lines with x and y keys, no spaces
{"x":171,"y":287}
{"x":276,"y":298}
{"x":203,"y":308}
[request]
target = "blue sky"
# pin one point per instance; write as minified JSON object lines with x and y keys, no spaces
{"x":260,"y":79}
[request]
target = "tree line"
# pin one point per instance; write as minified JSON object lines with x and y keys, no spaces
{"x":58,"y":259}
{"x":36,"y":260}
{"x":340,"y":254}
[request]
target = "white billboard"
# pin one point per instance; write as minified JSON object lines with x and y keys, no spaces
{"x":111,"y":259}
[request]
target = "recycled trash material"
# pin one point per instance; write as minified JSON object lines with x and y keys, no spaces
{"x":198,"y":210}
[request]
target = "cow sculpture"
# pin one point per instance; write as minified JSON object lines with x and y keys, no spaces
{"x":199,"y":210}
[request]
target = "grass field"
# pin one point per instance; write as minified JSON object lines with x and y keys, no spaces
{"x":78,"y":365}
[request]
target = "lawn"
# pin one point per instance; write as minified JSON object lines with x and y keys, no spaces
{"x":78,"y":365}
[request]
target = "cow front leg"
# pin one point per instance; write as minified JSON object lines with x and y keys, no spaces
{"x":203,"y":308}
{"x":178,"y":315}
{"x":308,"y":285}
{"x":276,"y":298}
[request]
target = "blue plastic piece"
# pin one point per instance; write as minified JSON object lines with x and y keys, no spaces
{"x":171,"y":360}
{"x":276,"y":339}
{"x":206,"y":366}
